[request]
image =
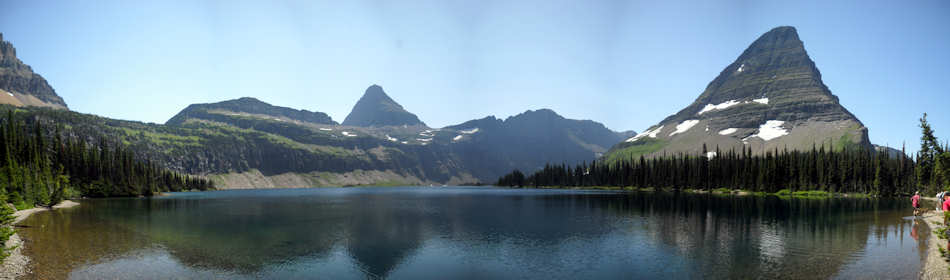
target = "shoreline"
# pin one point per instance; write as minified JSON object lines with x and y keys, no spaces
{"x":934,"y":267}
{"x":15,"y":265}
{"x":718,"y":191}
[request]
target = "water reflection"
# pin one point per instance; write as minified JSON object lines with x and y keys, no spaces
{"x":475,"y":233}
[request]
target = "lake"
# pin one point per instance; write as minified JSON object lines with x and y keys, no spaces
{"x":474,"y":233}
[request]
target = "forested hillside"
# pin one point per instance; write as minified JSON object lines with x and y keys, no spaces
{"x":849,"y":170}
{"x":42,"y":162}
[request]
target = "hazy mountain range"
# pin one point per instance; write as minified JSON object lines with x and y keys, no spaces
{"x":771,"y":97}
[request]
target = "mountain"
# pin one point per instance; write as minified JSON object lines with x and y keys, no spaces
{"x":771,"y":97}
{"x":19,"y":86}
{"x":248,"y":106}
{"x":527,"y":141}
{"x":375,"y":108}
{"x":891,"y":152}
{"x":248,"y":143}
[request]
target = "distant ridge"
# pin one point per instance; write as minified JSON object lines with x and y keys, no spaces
{"x":249,"y":105}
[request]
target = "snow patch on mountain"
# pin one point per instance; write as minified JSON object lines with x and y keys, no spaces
{"x":720,"y":106}
{"x":727,"y":131}
{"x":470,"y":131}
{"x":770,"y":130}
{"x":652,"y":133}
{"x":684,"y":126}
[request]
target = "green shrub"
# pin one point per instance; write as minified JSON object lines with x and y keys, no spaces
{"x":6,"y":219}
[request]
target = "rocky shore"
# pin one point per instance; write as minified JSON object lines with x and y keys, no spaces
{"x":15,"y":265}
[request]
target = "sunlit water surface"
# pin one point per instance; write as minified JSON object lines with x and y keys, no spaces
{"x":474,"y":233}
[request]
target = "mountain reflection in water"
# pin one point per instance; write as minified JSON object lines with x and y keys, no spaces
{"x":469,"y":233}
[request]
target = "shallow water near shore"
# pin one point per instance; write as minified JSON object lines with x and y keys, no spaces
{"x":474,"y":233}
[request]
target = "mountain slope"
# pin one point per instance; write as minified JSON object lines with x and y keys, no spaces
{"x":771,"y":97}
{"x":246,"y":152}
{"x":19,"y":86}
{"x":527,"y":141}
{"x":375,"y":108}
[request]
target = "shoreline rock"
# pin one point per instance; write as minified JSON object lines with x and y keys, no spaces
{"x":16,"y":264}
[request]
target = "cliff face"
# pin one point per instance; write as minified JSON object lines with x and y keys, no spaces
{"x":772,"y":96}
{"x":19,"y":86}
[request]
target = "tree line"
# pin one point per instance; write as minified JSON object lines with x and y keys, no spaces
{"x":39,"y":168}
{"x":39,"y":165}
{"x":848,"y":170}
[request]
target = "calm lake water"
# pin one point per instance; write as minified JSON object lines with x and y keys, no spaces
{"x":474,"y":233}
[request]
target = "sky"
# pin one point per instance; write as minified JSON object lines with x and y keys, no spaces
{"x":627,"y":64}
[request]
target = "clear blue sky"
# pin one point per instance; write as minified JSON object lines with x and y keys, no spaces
{"x":626,"y":64}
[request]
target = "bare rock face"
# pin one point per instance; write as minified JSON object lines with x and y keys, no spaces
{"x":375,"y":108}
{"x":20,"y":86}
{"x":771,"y":97}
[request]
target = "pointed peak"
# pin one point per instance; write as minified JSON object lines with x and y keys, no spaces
{"x":779,"y":38}
{"x":782,"y":33}
{"x":376,"y":108}
{"x":376,"y":92}
{"x":783,"y":30}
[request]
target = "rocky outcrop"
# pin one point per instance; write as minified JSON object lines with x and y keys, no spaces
{"x":20,"y":86}
{"x":771,"y":97}
{"x":375,"y":108}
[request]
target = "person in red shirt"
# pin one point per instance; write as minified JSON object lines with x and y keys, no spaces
{"x":946,"y":203}
{"x":915,"y":201}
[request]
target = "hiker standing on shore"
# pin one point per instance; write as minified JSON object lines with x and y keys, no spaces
{"x":915,"y":201}
{"x":940,"y":196}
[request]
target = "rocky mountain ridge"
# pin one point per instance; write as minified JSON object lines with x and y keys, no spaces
{"x":770,"y":97}
{"x":20,"y":86}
